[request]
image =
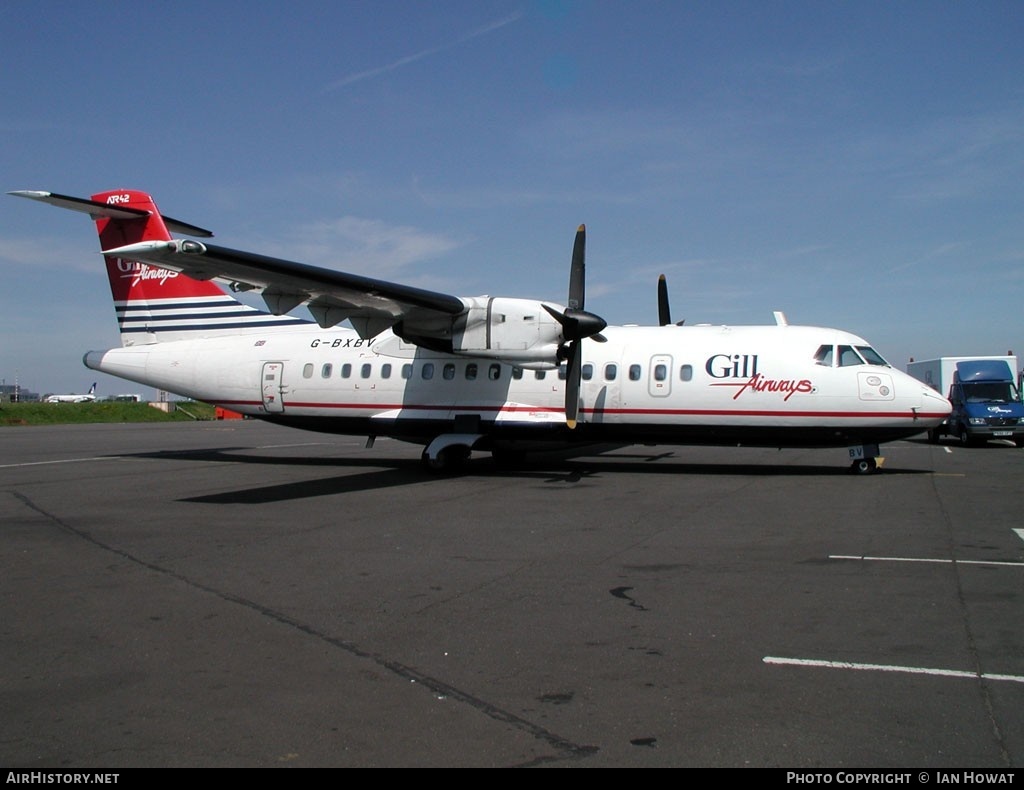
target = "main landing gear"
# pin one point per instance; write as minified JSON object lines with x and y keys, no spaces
{"x":449,"y":452}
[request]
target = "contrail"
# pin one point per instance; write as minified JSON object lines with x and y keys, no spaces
{"x":371,"y":73}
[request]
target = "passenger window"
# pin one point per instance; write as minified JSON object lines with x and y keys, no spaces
{"x":326,"y":370}
{"x":385,"y":371}
{"x":448,"y":371}
{"x":611,"y":371}
{"x":307,"y":370}
{"x":366,"y":371}
{"x":563,"y":371}
{"x":494,"y":372}
{"x":540,"y":374}
{"x":471,"y":370}
{"x":517,"y":373}
{"x":588,"y":372}
{"x":634,"y":373}
{"x":428,"y":371}
{"x":346,"y":370}
{"x":686,"y":373}
{"x":660,"y":372}
{"x":406,"y":371}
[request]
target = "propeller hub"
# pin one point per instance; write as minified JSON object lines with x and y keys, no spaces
{"x":580,"y":324}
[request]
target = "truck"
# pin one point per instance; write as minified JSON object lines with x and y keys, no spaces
{"x":985,"y":393}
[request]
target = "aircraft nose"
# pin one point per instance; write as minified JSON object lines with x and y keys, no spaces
{"x":932,"y":403}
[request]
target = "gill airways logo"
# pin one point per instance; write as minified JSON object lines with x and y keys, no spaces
{"x":137,"y":272}
{"x":742,"y":368}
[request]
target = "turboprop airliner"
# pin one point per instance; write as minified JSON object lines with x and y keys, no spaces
{"x":456,"y":374}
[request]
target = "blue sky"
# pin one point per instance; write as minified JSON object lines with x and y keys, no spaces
{"x":858,"y":165}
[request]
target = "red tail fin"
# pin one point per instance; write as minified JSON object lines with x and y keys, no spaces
{"x":155,"y":305}
{"x":131,"y":281}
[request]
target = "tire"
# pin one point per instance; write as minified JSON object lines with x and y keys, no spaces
{"x":966,"y":440}
{"x":864,"y":466}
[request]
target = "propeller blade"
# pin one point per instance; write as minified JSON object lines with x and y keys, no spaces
{"x":578,"y":270}
{"x":574,"y":372}
{"x":664,"y":316}
{"x":576,"y":324}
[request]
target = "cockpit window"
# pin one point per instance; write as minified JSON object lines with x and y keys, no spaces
{"x":872,"y":356}
{"x":848,"y":357}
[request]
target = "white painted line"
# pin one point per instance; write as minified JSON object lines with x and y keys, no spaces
{"x":1020,"y":533}
{"x":949,"y":673}
{"x":948,"y":449}
{"x":924,"y":559}
{"x":280,"y":446}
{"x":62,"y":461}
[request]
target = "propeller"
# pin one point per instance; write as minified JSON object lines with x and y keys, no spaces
{"x":577,"y":324}
{"x":664,"y":314}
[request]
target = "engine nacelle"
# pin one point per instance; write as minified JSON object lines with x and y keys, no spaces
{"x":517,"y":331}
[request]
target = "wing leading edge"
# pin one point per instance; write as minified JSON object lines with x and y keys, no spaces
{"x":332,"y":296}
{"x":370,"y":305}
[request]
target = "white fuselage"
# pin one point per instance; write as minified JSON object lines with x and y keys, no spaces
{"x":673,"y":385}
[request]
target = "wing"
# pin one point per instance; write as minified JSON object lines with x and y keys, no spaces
{"x":370,"y":305}
{"x":522,"y":332}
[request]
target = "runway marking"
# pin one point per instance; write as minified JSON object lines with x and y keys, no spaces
{"x":949,"y":673}
{"x":61,"y":461}
{"x":294,"y":444}
{"x":924,"y":559}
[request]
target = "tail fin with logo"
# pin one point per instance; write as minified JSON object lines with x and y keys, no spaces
{"x":156,"y":305}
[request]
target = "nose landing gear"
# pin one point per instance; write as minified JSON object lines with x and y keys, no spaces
{"x":866,"y":460}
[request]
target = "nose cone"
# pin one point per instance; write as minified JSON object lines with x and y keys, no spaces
{"x":933,"y":405}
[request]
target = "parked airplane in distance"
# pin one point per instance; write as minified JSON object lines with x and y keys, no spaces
{"x":454,"y":374}
{"x":88,"y":398}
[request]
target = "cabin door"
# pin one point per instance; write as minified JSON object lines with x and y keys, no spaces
{"x":273,"y":387}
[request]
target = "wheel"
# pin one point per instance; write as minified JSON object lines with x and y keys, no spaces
{"x":966,"y":440}
{"x":864,"y":466}
{"x":933,"y":436}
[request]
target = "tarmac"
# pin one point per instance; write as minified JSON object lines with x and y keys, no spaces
{"x":240,"y":594}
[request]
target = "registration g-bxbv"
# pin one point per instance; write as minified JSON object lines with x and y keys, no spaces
{"x":60,"y":778}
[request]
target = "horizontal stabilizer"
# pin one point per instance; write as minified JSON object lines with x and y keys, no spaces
{"x":95,"y":209}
